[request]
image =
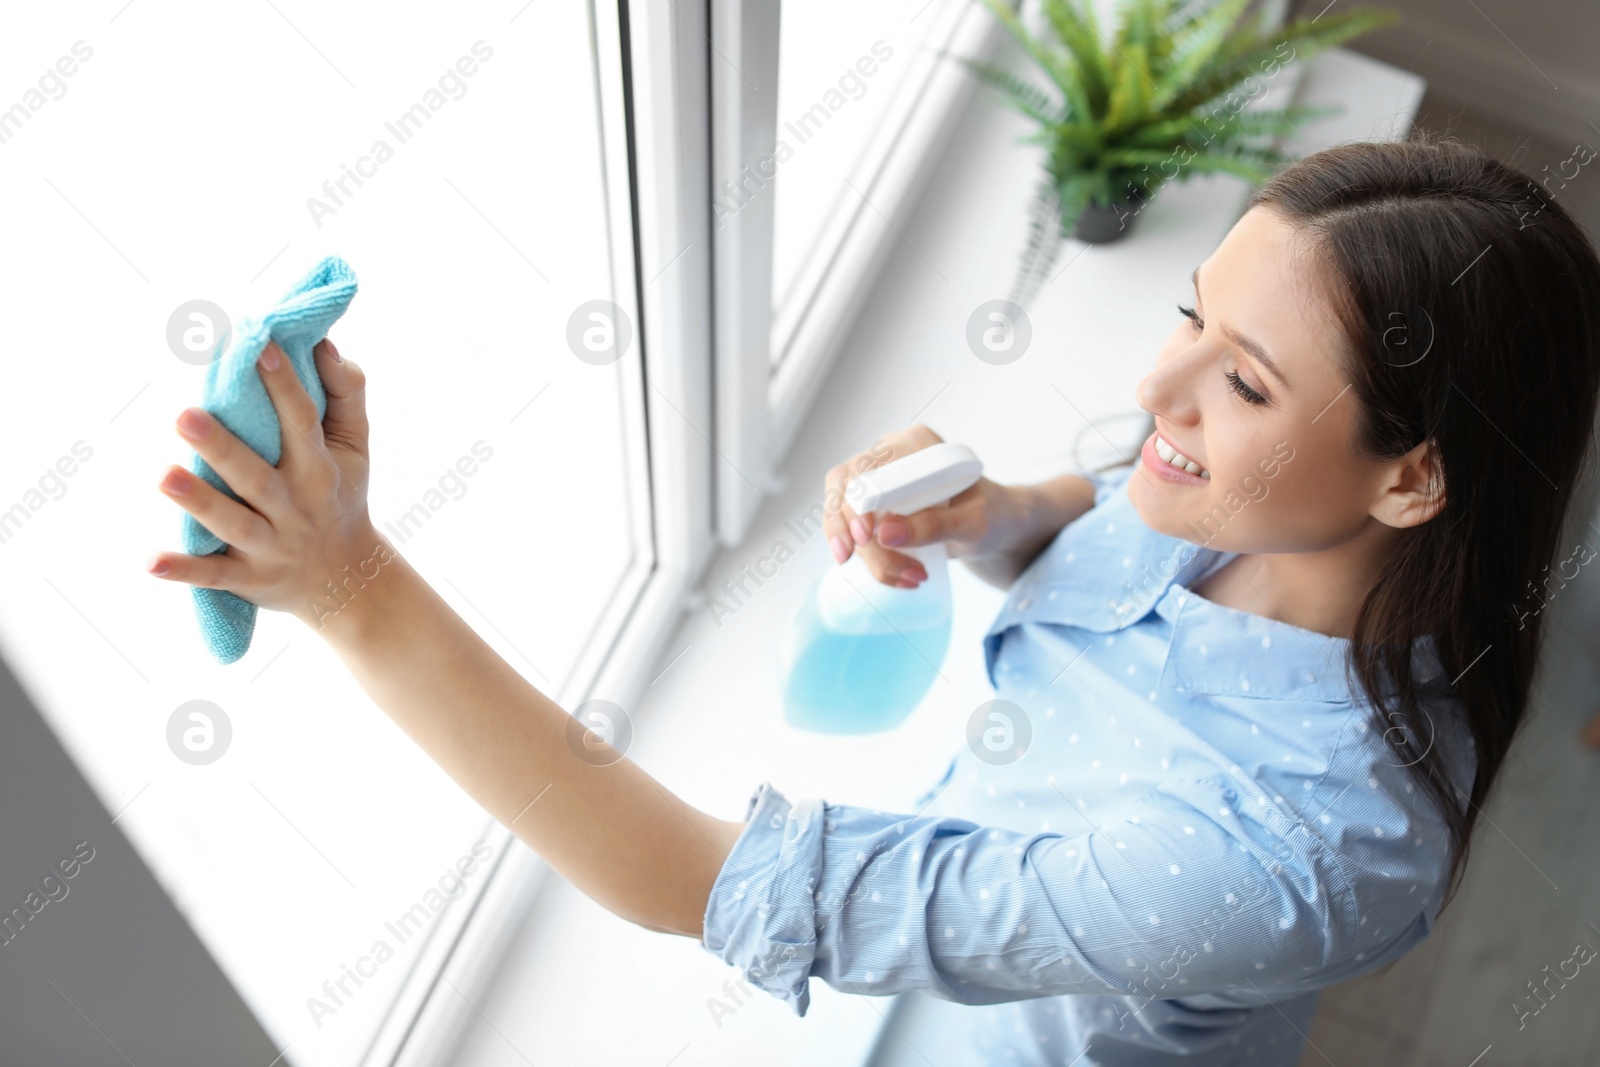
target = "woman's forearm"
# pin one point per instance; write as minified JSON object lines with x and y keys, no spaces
{"x":1039,"y":513}
{"x":611,"y":830}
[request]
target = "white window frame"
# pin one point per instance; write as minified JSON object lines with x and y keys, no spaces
{"x":756,"y":431}
{"x":656,"y":174}
{"x":718,"y":413}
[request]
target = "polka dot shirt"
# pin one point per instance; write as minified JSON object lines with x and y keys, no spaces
{"x":1183,"y":825}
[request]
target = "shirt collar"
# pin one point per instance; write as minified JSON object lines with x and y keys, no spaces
{"x":1108,"y":571}
{"x":1221,"y":650}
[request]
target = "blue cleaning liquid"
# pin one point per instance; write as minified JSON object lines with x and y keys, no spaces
{"x":858,"y":683}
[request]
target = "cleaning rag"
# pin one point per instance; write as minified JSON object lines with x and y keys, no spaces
{"x":235,"y":394}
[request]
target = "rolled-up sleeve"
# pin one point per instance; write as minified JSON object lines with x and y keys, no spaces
{"x":1188,"y":891}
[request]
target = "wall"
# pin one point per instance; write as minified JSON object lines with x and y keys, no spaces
{"x":1531,"y":65}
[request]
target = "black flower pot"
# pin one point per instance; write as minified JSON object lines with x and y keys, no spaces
{"x":1101,"y":224}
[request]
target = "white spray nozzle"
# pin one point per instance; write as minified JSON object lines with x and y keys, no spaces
{"x":922,"y":479}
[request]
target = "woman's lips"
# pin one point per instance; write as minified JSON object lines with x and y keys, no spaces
{"x":1166,"y":471}
{"x":1169,"y":452}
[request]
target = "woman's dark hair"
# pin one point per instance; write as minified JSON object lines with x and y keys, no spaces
{"x":1471,"y":304}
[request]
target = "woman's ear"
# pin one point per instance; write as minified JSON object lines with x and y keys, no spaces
{"x":1412,"y":488}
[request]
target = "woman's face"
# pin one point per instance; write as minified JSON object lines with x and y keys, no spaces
{"x":1254,"y":395}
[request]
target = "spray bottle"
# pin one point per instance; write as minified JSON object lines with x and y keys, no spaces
{"x":860,"y":655}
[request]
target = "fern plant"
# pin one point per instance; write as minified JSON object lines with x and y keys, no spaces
{"x":1161,"y":100}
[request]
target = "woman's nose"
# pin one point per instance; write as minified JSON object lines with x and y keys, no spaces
{"x":1170,"y":390}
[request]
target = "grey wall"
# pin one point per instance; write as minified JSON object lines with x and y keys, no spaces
{"x":1533,"y":65}
{"x":108,"y":973}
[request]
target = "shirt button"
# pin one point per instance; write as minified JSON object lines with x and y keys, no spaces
{"x":1022,"y":605}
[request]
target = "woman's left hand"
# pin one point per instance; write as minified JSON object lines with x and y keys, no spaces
{"x":301,"y":523}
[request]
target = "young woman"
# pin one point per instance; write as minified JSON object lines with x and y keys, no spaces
{"x":1268,"y":673}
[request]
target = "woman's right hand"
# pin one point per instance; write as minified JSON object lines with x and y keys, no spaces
{"x":297,"y":527}
{"x":984,"y":519}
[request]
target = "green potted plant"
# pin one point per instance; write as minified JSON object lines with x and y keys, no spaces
{"x":1163,"y":99}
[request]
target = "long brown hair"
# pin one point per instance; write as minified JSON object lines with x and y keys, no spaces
{"x":1470,"y":300}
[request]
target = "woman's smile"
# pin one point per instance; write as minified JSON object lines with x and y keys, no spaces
{"x":1172,"y":464}
{"x":1168,"y":453}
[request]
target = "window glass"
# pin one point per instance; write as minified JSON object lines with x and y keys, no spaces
{"x":162,"y":154}
{"x":841,"y":67}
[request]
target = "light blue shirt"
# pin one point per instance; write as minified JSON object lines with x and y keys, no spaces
{"x":1201,"y":830}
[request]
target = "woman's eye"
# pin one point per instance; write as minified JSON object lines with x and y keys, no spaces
{"x":1236,"y":383}
{"x":1249,"y":395}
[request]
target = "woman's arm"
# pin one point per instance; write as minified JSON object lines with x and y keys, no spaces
{"x":1040,"y":512}
{"x":1179,"y":894}
{"x":301,"y":541}
{"x":608,"y":827}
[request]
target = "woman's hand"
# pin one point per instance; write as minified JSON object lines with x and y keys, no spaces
{"x":303,"y":523}
{"x":985,"y":519}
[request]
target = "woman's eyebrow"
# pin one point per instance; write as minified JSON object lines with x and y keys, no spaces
{"x":1255,"y":350}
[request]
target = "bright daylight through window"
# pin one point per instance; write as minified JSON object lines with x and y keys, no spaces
{"x":842,"y":75}
{"x":206,"y":158}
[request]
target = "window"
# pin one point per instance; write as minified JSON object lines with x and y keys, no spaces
{"x":843,"y":77}
{"x":466,"y":166}
{"x":812,"y":185}
{"x":490,"y":178}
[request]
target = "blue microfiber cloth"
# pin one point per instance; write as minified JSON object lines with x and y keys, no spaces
{"x":235,"y":395}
